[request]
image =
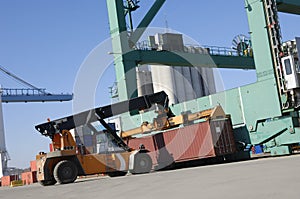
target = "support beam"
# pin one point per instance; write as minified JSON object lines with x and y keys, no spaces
{"x":37,"y":98}
{"x":136,"y":35}
{"x":260,"y":40}
{"x":190,"y":59}
{"x":125,"y":73}
{"x":3,"y":152}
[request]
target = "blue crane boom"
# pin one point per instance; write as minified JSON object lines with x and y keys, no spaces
{"x":30,"y":94}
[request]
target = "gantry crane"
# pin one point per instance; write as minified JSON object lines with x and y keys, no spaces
{"x":265,"y":112}
{"x":29,"y":94}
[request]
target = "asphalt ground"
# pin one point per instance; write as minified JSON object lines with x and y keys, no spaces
{"x":272,"y":178}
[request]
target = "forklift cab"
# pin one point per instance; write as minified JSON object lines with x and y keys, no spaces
{"x":291,"y":72}
{"x":93,"y":138}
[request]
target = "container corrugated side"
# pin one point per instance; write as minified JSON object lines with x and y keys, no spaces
{"x":223,"y":137}
{"x":178,"y":145}
{"x":190,"y":142}
{"x":197,"y":141}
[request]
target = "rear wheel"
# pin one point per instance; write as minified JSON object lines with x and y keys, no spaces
{"x":142,"y":163}
{"x":65,"y":172}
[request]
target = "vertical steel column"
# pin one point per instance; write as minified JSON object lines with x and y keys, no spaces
{"x":260,"y":39}
{"x":262,"y":44}
{"x":3,"y":152}
{"x":125,"y":69}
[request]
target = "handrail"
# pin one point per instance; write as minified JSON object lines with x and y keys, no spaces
{"x":210,"y":50}
{"x":24,"y":92}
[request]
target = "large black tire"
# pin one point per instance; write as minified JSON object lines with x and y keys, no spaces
{"x":48,"y":182}
{"x":65,"y":172}
{"x":142,"y":163}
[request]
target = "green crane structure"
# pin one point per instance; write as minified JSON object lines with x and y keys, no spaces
{"x":265,"y":112}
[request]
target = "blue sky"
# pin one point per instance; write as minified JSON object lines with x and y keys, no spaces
{"x":45,"y":42}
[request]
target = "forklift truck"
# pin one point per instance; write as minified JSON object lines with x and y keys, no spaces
{"x":70,"y":158}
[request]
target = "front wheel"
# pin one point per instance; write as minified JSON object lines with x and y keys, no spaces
{"x":65,"y":172}
{"x":47,"y":182}
{"x":142,"y":163}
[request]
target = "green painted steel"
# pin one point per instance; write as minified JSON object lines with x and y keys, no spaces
{"x":195,"y":60}
{"x":146,"y":21}
{"x":289,"y":6}
{"x":260,"y":40}
{"x":280,"y":150}
{"x":279,"y":129}
{"x":125,"y":71}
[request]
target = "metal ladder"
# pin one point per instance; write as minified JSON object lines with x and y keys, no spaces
{"x":274,"y":31}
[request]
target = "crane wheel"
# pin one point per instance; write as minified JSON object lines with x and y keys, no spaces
{"x":65,"y":172}
{"x":142,"y":163}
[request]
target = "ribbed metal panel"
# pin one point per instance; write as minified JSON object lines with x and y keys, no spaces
{"x":223,"y":137}
{"x":197,"y":141}
{"x":190,"y":142}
